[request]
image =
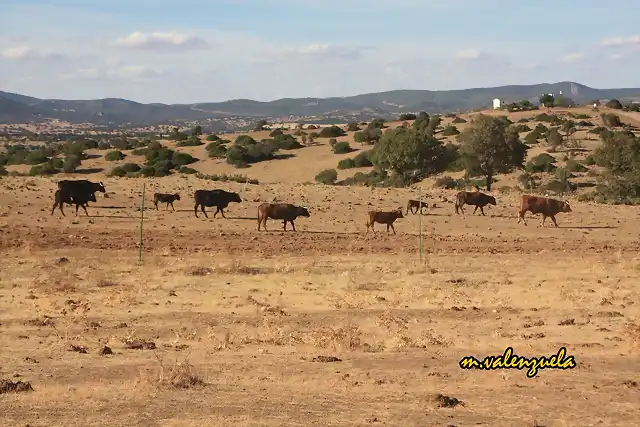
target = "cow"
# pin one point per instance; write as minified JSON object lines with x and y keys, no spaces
{"x":165,"y":198}
{"x":284,"y":211}
{"x":218,"y":198}
{"x":83,"y":184}
{"x":543,"y":205}
{"x":473,"y":198}
{"x":383,"y":218}
{"x":79,"y":200}
{"x":415,"y":205}
{"x":77,"y":192}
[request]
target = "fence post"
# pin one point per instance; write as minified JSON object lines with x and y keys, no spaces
{"x":420,"y":219}
{"x":144,"y":184}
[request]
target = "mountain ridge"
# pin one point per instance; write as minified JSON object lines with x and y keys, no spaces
{"x":16,"y":108}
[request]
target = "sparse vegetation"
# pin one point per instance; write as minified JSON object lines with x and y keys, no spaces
{"x":327,"y":176}
{"x":113,"y":156}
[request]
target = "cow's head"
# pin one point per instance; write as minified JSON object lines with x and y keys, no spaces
{"x":492,"y":200}
{"x":177,"y":196}
{"x":398,"y":213}
{"x":303,"y":211}
{"x":100,"y":187}
{"x":565,"y":207}
{"x":92,"y":197}
{"x":235,"y":197}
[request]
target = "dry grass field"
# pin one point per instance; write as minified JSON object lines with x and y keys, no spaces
{"x":327,"y":326}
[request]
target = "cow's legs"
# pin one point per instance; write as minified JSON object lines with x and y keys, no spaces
{"x":474,"y":210}
{"x":482,"y":211}
{"x":83,"y":207}
{"x":173,"y":207}
{"x":293,"y":225}
{"x":521,"y":217}
{"x":284,"y":225}
{"x":553,"y":218}
{"x":393,"y":228}
{"x":203,"y":211}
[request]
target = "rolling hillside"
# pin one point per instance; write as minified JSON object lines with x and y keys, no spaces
{"x":15,"y":108}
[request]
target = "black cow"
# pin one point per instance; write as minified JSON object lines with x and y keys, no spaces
{"x":77,"y":192}
{"x":165,"y":198}
{"x":218,"y":198}
{"x":79,"y":200}
{"x":473,"y":198}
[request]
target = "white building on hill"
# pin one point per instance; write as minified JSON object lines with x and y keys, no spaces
{"x":497,"y":104}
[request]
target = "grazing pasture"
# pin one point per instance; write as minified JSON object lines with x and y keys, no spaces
{"x":327,"y":326}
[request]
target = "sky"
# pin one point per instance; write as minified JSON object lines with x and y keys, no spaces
{"x":188,"y":51}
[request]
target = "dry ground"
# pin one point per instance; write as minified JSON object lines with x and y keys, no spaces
{"x":246,"y":312}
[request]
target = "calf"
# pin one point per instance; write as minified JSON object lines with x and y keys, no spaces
{"x":415,"y":205}
{"x":542,"y":205}
{"x":79,"y":200}
{"x":284,"y":211}
{"x":165,"y":198}
{"x":383,"y":218}
{"x":218,"y":198}
{"x":474,"y":198}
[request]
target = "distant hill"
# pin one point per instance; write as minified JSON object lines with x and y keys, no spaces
{"x":15,"y":108}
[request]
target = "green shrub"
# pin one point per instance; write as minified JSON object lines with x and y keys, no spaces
{"x":541,"y":163}
{"x":287,"y":142}
{"x":43,"y":169}
{"x":193,"y":141}
{"x":242,"y":179}
{"x":331,"y":132}
{"x":70,"y":164}
{"x":327,"y":176}
{"x":450,"y":131}
{"x":276,"y":132}
{"x":362,"y":159}
{"x":187,"y":170}
{"x":3,"y":171}
{"x":36,"y":157}
{"x":574,"y":166}
{"x":213,"y":137}
{"x":458,"y":120}
{"x":407,"y":116}
{"x":181,"y":159}
{"x":448,"y":183}
{"x":341,"y":147}
{"x":590,"y":160}
{"x":346,"y":164}
{"x":117,"y":171}
{"x":113,"y":156}
{"x":352,"y":127}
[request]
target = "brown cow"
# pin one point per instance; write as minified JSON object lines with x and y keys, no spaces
{"x":383,"y":218}
{"x":415,"y":205}
{"x":284,"y":211}
{"x":165,"y":198}
{"x":473,"y":198}
{"x":543,"y":205}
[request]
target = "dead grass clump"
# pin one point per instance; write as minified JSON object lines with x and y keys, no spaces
{"x":57,"y":281}
{"x":41,"y":322}
{"x":348,"y":337}
{"x":633,"y":331}
{"x":180,"y":375}
{"x":8,"y":386}
{"x":199,"y":271}
{"x":103,"y":283}
{"x":265,"y":307}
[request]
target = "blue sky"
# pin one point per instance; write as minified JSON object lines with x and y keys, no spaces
{"x":195,"y":50}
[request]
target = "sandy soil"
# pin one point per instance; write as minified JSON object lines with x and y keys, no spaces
{"x":240,"y":319}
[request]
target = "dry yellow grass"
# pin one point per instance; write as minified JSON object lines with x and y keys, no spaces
{"x":223,"y":325}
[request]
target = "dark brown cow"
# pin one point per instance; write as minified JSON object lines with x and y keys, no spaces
{"x":60,"y":197}
{"x":542,"y":205}
{"x":284,"y":211}
{"x":165,"y":198}
{"x":473,"y":198}
{"x":388,"y":218}
{"x":414,"y":206}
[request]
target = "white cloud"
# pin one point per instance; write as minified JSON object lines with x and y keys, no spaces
{"x":133,"y":72}
{"x":82,"y":73}
{"x":469,"y":54}
{"x":26,"y":52}
{"x":158,"y":41}
{"x":620,"y":41}
{"x":573,"y":57}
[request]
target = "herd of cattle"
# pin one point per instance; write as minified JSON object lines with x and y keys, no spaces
{"x":80,"y":192}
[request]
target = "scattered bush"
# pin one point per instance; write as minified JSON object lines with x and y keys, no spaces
{"x":458,"y":120}
{"x":610,"y":120}
{"x":331,"y":132}
{"x":242,"y":179}
{"x":213,"y":137}
{"x":216,"y":150}
{"x":589,"y":161}
{"x":327,"y":176}
{"x":113,"y":156}
{"x":286,"y":142}
{"x":353,"y":127}
{"x":407,"y":116}
{"x":450,"y":131}
{"x":187,"y":170}
{"x":342,"y":147}
{"x":574,"y":166}
{"x":193,"y":141}
{"x":363,"y":159}
{"x":182,"y":159}
{"x":541,"y":163}
{"x":346,"y":164}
